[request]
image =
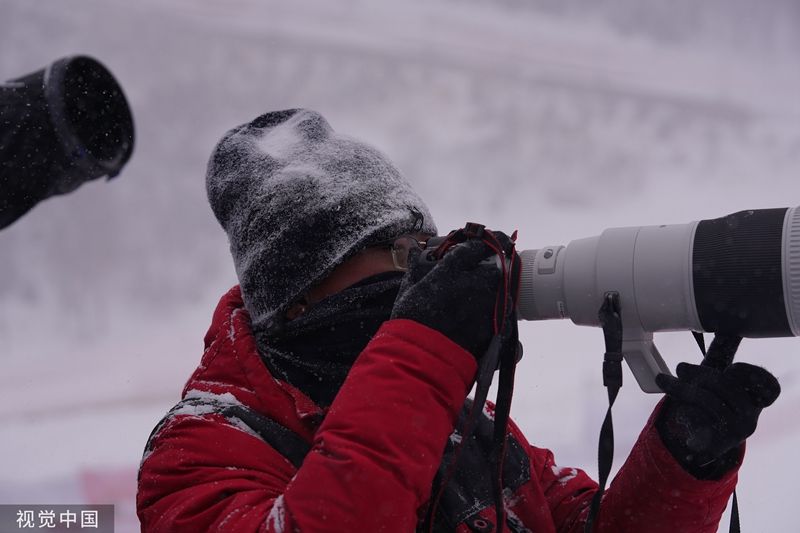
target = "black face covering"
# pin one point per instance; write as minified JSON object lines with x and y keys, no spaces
{"x":315,"y":351}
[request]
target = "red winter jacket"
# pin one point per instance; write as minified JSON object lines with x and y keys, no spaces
{"x":375,"y":452}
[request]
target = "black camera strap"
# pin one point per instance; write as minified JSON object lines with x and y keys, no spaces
{"x":725,"y":348}
{"x":611,"y":320}
{"x":502,"y":355}
{"x":510,"y":354}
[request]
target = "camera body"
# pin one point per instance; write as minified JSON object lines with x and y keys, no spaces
{"x":737,"y":275}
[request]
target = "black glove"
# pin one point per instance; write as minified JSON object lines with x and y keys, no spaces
{"x":455,"y":296}
{"x":709,"y":412}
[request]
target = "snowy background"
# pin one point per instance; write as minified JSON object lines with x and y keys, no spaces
{"x":559,"y":118}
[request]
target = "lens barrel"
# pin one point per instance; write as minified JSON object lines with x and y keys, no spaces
{"x":738,"y":274}
{"x":737,"y":269}
{"x":59,"y":127}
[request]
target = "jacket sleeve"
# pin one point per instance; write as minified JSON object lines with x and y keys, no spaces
{"x":370,"y":468}
{"x":651,"y":492}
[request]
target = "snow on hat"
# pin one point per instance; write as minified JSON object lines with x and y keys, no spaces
{"x":297,"y":199}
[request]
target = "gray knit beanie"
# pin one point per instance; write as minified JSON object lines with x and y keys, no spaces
{"x":297,"y":199}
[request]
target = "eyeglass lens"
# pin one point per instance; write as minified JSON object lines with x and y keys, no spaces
{"x":400,"y":249}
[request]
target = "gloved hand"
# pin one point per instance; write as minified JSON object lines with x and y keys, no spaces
{"x":709,"y":412}
{"x":455,"y":296}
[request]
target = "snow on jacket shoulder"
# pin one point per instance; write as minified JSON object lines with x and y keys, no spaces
{"x":245,"y":452}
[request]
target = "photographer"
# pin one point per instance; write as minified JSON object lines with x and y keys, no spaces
{"x":329,"y":393}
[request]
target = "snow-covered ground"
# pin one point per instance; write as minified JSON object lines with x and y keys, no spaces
{"x":557,"y":121}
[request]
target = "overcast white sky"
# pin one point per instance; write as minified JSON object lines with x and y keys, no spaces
{"x":557,"y":119}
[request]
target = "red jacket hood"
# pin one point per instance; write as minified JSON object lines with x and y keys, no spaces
{"x":231,"y":364}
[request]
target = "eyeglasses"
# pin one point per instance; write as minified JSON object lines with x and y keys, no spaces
{"x":400,"y":248}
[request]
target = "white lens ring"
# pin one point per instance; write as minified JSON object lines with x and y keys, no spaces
{"x":790,"y":258}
